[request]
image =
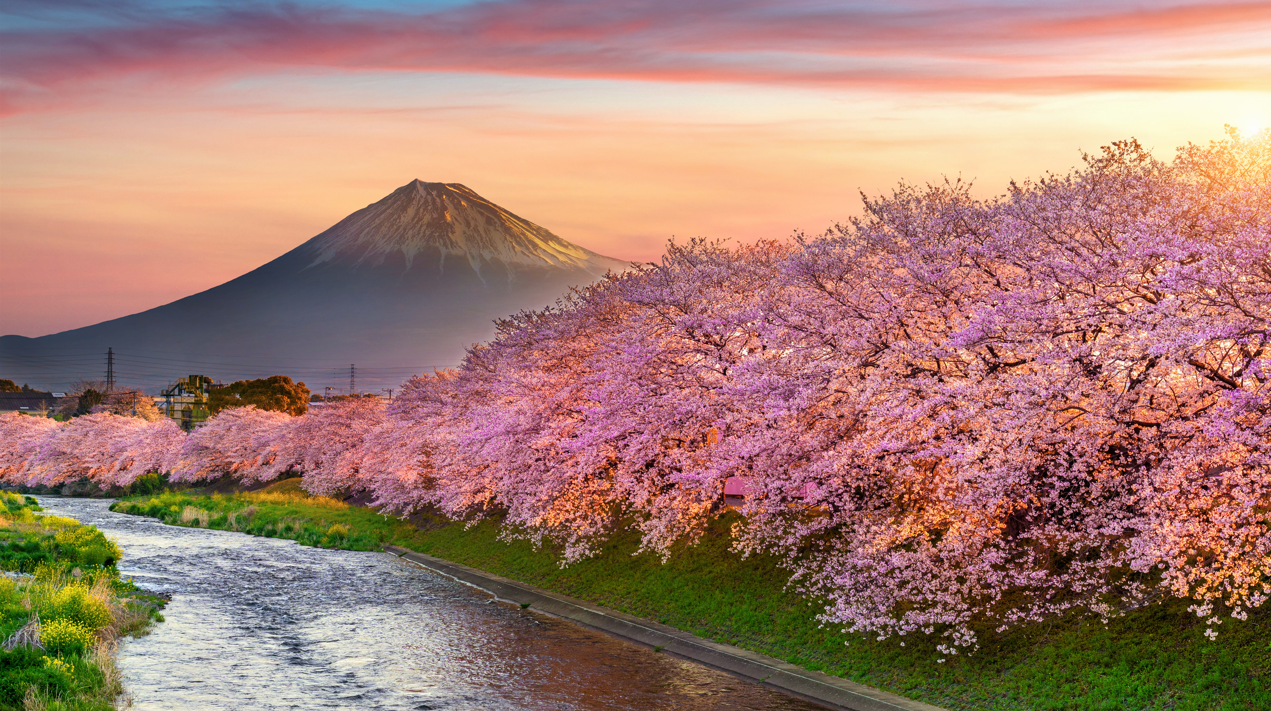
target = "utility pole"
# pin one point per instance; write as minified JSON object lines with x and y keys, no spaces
{"x":110,"y":369}
{"x":352,"y":379}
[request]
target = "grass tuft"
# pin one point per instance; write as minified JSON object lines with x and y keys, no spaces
{"x":59,"y":622}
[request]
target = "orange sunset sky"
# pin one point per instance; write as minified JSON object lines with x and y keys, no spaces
{"x":150,"y":150}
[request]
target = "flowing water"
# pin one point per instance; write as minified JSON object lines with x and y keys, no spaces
{"x":262,"y":624}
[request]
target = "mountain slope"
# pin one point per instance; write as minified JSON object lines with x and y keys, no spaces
{"x":421,"y":218}
{"x":402,"y":285}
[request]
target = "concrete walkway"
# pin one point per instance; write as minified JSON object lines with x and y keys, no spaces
{"x":814,"y":686}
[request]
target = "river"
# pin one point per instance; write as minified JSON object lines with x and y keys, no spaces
{"x":257,"y":624}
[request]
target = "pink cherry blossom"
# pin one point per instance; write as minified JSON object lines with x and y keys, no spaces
{"x":949,"y":412}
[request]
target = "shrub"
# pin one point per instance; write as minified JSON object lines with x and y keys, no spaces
{"x":151,"y":483}
{"x":23,"y":668}
{"x":20,"y":658}
{"x":23,"y":556}
{"x":56,"y":664}
{"x":76,"y":603}
{"x":87,"y":545}
{"x":67,"y":636}
{"x":58,"y":522}
{"x":14,"y":502}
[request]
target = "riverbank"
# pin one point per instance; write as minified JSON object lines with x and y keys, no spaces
{"x":62,"y":608}
{"x":1155,"y":658}
{"x":822,"y":689}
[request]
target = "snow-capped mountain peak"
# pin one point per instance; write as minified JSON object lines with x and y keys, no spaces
{"x":427,"y":222}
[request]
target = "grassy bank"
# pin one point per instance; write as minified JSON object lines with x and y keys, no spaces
{"x":62,"y":607}
{"x":1156,"y":658}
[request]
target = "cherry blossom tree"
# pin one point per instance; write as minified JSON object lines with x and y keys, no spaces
{"x":324,"y":444}
{"x":21,"y":437}
{"x":129,"y":402}
{"x":950,"y":412}
{"x":108,"y":449}
{"x":399,"y":456}
{"x":242,"y":442}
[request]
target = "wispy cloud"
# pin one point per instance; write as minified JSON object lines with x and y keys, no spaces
{"x":58,"y":50}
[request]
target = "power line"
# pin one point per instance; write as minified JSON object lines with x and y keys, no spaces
{"x":40,"y":360}
{"x":180,"y":353}
{"x":75,"y":354}
{"x":147,"y":369}
{"x":158,"y":362}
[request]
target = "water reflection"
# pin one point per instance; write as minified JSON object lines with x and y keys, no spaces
{"x":260,"y":623}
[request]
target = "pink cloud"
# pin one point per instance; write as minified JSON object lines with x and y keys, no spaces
{"x":1159,"y":22}
{"x":954,"y":48}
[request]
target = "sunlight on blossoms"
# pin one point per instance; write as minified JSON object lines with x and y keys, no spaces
{"x":946,"y":416}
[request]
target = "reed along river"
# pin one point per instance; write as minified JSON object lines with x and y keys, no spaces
{"x":262,"y":623}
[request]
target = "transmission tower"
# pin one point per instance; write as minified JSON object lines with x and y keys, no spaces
{"x":110,"y":369}
{"x":352,"y":379}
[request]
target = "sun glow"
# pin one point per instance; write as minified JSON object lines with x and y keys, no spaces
{"x":1252,"y":125}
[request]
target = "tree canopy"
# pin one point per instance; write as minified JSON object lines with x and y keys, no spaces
{"x":129,"y":402}
{"x":89,"y":399}
{"x":276,"y":393}
{"x":947,"y":415}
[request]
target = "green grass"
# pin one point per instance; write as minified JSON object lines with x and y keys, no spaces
{"x":66,"y":574}
{"x":1154,"y":658}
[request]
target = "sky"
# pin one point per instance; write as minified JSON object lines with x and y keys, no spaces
{"x":150,"y":150}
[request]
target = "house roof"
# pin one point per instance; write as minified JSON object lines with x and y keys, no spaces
{"x":31,"y":401}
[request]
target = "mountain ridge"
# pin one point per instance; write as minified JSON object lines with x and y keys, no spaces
{"x":454,"y":220}
{"x":410,"y":280}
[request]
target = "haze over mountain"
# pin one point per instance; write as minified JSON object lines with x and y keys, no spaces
{"x":401,"y":286}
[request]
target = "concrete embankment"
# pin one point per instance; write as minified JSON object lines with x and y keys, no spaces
{"x":814,"y":686}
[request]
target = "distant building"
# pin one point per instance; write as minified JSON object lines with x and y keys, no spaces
{"x":31,"y":401}
{"x":186,"y":400}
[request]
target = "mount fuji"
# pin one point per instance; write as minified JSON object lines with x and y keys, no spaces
{"x":400,"y":286}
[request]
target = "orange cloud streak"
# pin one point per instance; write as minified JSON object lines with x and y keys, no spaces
{"x":967,"y":49}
